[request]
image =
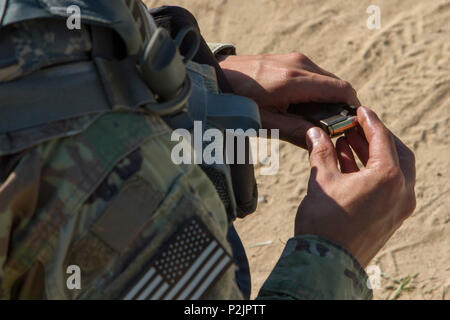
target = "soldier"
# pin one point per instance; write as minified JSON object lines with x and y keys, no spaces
{"x":87,"y":178}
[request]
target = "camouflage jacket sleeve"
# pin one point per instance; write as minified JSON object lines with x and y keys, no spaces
{"x":314,"y":268}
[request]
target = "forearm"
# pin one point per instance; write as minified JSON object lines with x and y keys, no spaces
{"x":314,"y":268}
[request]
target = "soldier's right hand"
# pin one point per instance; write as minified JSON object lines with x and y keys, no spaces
{"x":358,"y":209}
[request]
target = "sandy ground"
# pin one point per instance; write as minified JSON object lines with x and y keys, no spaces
{"x":402,"y":72}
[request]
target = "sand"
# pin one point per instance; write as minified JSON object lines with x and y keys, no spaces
{"x":402,"y":72}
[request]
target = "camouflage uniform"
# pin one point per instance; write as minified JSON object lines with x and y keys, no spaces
{"x":101,"y":192}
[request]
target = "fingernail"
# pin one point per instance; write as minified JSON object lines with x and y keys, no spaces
{"x":368,"y":115}
{"x":314,"y":135}
{"x":363,"y":109}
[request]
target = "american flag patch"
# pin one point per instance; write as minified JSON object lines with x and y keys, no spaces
{"x":191,"y":261}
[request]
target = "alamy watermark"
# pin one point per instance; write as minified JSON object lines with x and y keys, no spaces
{"x":73,"y":281}
{"x":73,"y":12}
{"x":74,"y":20}
{"x":374,"y":280}
{"x":212,"y":146}
{"x":374,"y":20}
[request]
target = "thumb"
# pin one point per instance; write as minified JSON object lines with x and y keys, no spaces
{"x":322,"y":153}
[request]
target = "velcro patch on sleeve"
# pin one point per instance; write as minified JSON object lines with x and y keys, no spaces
{"x":128,"y":214}
{"x":188,"y":264}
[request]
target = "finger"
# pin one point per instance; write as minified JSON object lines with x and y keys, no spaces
{"x":407,"y":161}
{"x":303,"y":62}
{"x":345,"y":156}
{"x":292,"y":128}
{"x":322,"y":154}
{"x":359,"y":144}
{"x":320,"y":88}
{"x":382,"y":149}
{"x":312,"y":67}
{"x":352,"y":98}
{"x":325,"y":72}
{"x":356,"y":101}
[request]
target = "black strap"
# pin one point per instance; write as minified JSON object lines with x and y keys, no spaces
{"x":8,"y":54}
{"x":102,"y":42}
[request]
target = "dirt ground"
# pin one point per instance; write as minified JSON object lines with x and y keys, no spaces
{"x":402,"y":71}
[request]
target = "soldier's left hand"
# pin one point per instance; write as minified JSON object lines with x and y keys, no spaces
{"x":276,"y":81}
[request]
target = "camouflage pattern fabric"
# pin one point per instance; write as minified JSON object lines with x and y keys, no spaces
{"x":314,"y":268}
{"x":55,"y":202}
{"x":103,"y":194}
{"x":29,"y":46}
{"x":40,"y":43}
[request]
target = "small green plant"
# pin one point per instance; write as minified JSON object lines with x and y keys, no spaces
{"x":399,"y":286}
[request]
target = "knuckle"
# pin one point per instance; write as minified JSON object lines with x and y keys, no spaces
{"x":320,"y":152}
{"x":299,"y":57}
{"x":291,"y":73}
{"x":347,"y":87}
{"x":343,"y":84}
{"x":392,"y":177}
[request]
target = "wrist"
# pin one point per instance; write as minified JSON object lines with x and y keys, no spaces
{"x":228,"y":62}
